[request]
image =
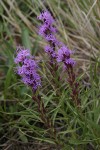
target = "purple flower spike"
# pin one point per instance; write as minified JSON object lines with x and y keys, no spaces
{"x":27,"y":68}
{"x":47,"y":31}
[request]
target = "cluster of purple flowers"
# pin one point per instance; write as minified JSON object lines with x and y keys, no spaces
{"x":26,"y":65}
{"x":27,"y":68}
{"x":47,"y":30}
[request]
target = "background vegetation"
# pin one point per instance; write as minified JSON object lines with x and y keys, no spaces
{"x":78,"y":24}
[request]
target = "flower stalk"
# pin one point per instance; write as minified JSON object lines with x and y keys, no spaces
{"x":47,"y":121}
{"x":27,"y":68}
{"x":64,"y":56}
{"x":74,"y":85}
{"x":48,"y":31}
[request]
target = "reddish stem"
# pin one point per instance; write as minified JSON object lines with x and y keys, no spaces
{"x":73,"y":84}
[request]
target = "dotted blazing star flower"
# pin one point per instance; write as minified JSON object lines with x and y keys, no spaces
{"x":27,"y":68}
{"x":47,"y":31}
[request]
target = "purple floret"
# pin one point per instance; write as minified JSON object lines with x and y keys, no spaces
{"x":64,"y":56}
{"x":46,"y":17}
{"x":52,"y":39}
{"x":63,"y":53}
{"x":21,"y":54}
{"x":44,"y":30}
{"x":70,"y":61}
{"x":27,"y":68}
{"x":49,"y":50}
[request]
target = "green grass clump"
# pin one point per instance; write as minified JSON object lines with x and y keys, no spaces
{"x":20,"y":122}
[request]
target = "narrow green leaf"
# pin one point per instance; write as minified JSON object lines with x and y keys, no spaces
{"x":25,"y":37}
